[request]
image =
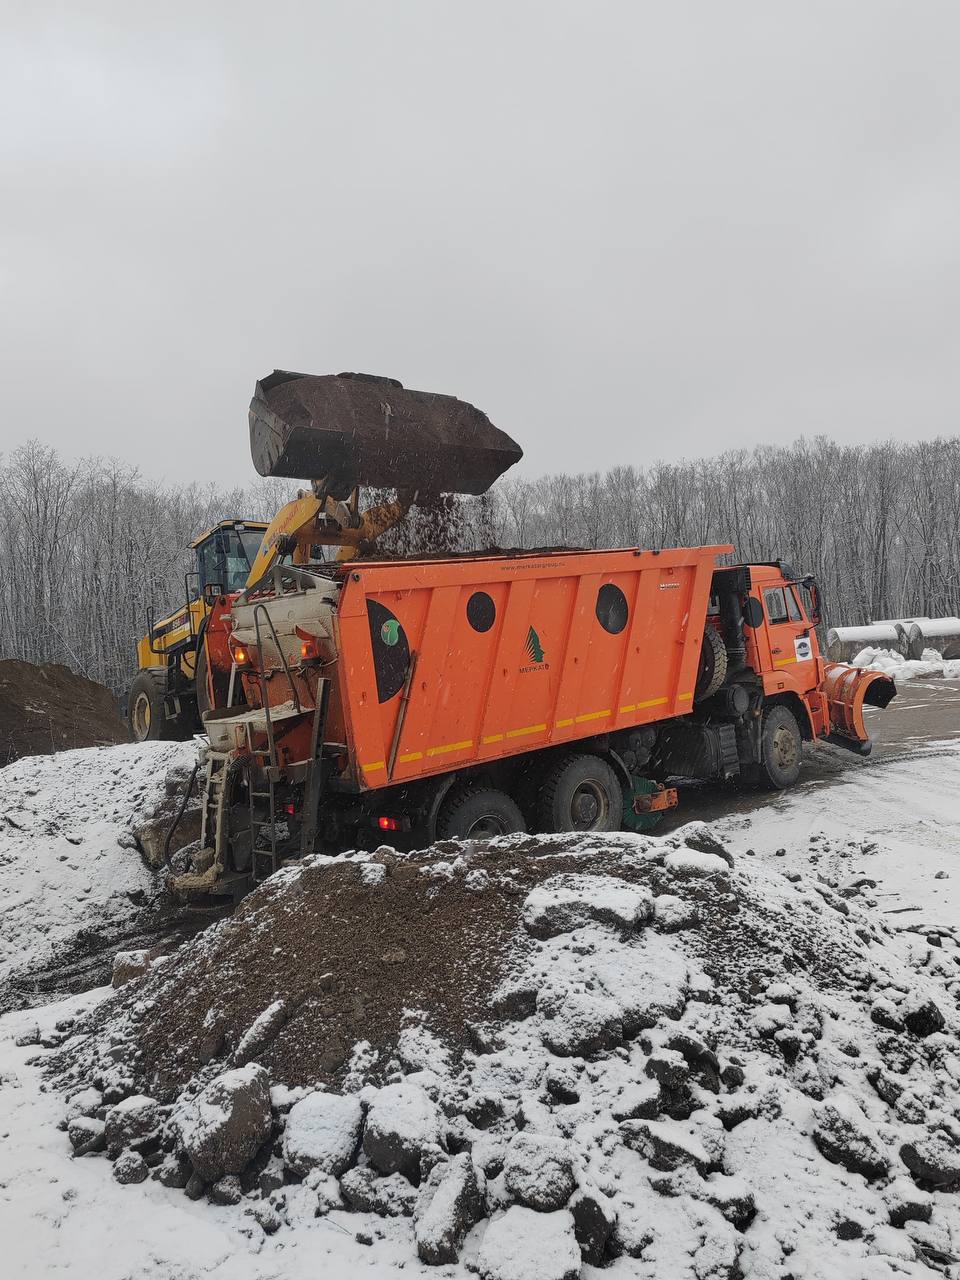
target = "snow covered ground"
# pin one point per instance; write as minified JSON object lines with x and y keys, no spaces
{"x":897,"y":826}
{"x":70,"y":873}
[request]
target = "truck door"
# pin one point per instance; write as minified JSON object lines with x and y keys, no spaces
{"x":788,"y":632}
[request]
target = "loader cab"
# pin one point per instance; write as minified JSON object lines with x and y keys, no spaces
{"x":224,"y":556}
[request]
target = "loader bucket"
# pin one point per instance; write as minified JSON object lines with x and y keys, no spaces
{"x":847,"y":690}
{"x":355,"y":429}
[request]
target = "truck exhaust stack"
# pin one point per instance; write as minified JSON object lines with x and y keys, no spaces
{"x":354,"y":429}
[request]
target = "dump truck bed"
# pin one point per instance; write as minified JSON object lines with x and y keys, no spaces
{"x":512,"y":653}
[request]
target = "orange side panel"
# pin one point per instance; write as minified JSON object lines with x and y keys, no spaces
{"x":514,"y":653}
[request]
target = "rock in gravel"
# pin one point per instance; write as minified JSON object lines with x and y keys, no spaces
{"x":907,"y":1203}
{"x":29,"y":1037}
{"x":924,"y":1019}
{"x":85,"y":1103}
{"x":86,"y":1135}
{"x":594,"y":1220}
{"x":526,"y":1245}
{"x":128,"y":965}
{"x":732,"y":1197}
{"x":129,"y":1167}
{"x":667,"y":1146}
{"x":844,"y":1135}
{"x":402,"y":1124}
{"x":538,"y":1171}
{"x":390,"y":1197}
{"x":579,"y":1023}
{"x":566,"y":902}
{"x":221,"y":1128}
{"x":173,"y":1171}
{"x":226,"y":1191}
{"x":934,"y":1158}
{"x":323,"y":1132}
{"x":132,"y":1123}
{"x":450,"y":1202}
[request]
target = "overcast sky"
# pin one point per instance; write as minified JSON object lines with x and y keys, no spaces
{"x":625,"y":230}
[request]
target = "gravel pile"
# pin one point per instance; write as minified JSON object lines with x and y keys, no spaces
{"x":541,"y":1055}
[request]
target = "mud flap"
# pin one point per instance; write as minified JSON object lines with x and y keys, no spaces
{"x":847,"y":690}
{"x":645,"y":805}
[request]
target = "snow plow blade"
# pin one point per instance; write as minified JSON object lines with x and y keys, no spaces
{"x":847,"y":690}
{"x":354,"y":429}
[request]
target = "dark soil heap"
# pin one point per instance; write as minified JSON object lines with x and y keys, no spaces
{"x":50,"y":708}
{"x":349,"y":947}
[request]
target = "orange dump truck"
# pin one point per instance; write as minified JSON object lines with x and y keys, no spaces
{"x":485,"y":694}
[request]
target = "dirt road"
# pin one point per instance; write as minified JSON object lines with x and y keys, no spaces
{"x":921,"y":723}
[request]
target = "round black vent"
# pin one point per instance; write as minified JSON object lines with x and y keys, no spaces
{"x":481,"y":611}
{"x":612,"y":611}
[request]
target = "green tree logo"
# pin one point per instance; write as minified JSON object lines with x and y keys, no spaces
{"x":390,"y":632}
{"x":533,"y":646}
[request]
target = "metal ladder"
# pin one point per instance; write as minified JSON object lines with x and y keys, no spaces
{"x":272,"y":766}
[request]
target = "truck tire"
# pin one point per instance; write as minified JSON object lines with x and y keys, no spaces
{"x":145,"y":712}
{"x":581,"y":793}
{"x":712,"y":670}
{"x":477,"y":814}
{"x":780,"y":749}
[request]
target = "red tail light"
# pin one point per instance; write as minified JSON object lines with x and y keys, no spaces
{"x":389,"y":824}
{"x":290,"y":808}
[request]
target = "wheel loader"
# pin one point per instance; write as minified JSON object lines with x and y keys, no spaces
{"x":466,"y":696}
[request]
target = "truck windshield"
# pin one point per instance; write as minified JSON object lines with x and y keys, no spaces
{"x":225,"y":558}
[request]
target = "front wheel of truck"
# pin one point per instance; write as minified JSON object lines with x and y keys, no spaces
{"x":780,"y":749}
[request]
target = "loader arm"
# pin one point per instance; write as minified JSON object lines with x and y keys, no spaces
{"x":313,"y":519}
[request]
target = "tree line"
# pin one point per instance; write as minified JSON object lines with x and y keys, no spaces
{"x":87,"y":546}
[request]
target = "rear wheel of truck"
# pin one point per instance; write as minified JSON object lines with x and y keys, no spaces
{"x":780,"y":749}
{"x":476,"y":814}
{"x":581,"y":793}
{"x":145,"y":708}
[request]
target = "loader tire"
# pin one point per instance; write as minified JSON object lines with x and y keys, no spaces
{"x":145,"y":711}
{"x":712,"y":670}
{"x":581,"y":793}
{"x":478,"y":814}
{"x":780,"y":749}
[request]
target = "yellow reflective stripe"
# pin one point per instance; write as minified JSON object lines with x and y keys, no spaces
{"x":562,"y":724}
{"x":410,"y":755}
{"x":593,"y":715}
{"x":372,"y":768}
{"x":530,"y":728}
{"x":684,"y":697}
{"x":784,"y":662}
{"x":449,"y":746}
{"x":492,"y":737}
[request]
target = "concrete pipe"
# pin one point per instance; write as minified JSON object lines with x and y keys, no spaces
{"x":844,"y":643}
{"x":941,"y":634}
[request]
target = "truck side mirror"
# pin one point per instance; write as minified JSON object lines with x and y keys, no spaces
{"x":809,"y":585}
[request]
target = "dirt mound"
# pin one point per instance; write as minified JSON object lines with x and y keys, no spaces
{"x":50,"y":708}
{"x":625,"y":1046}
